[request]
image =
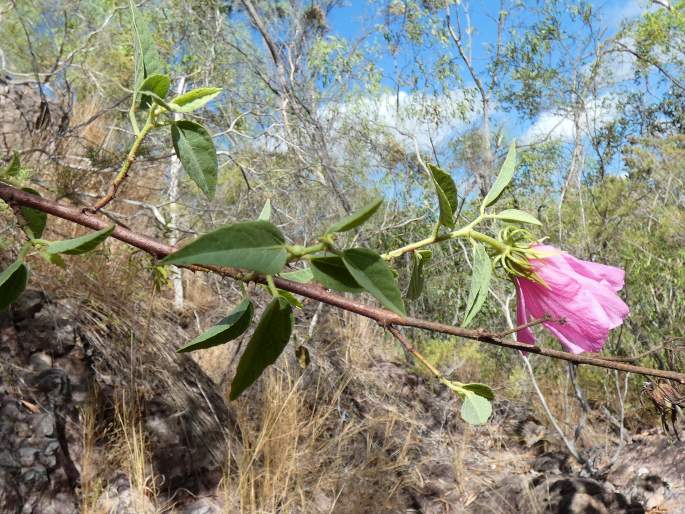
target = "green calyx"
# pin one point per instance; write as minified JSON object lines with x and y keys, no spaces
{"x":515,"y":251}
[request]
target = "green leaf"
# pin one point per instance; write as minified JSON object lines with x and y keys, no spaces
{"x":229,"y":328}
{"x":193,"y":100}
{"x":290,"y":298}
{"x":503,"y":178}
{"x":35,"y":219}
{"x":146,"y":56}
{"x":155,"y":86}
{"x":195,"y":149}
{"x":480,"y":282}
{"x":416,"y":281}
{"x":518,"y":216}
{"x":357,"y":217}
{"x":265,"y":215}
{"x":475,"y":409}
{"x":80,"y":245}
{"x":54,"y":258}
{"x":373,"y":274}
{"x":330,"y":271}
{"x":265,"y":346}
{"x":303,"y":276}
{"x":481,"y":390}
{"x":447,"y":194}
{"x":12,"y":283}
{"x":13,"y":168}
{"x":255,"y":245}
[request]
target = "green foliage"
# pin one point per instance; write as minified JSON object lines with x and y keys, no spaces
{"x":80,"y":245}
{"x":195,"y":99}
{"x":13,"y":168}
{"x":229,"y":328}
{"x":155,"y":86}
{"x":514,"y":215}
{"x":35,"y":219}
{"x":303,"y":276}
{"x":265,"y":214}
{"x":195,"y":149}
{"x":254,"y":245}
{"x":505,"y":175}
{"x":373,"y":274}
{"x":480,"y":282}
{"x":357,"y":218}
{"x":330,"y":271}
{"x":475,"y":409}
{"x":447,"y":194}
{"x":416,"y":282}
{"x":13,"y":281}
{"x":266,"y":345}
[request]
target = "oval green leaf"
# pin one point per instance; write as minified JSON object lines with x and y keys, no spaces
{"x":193,"y":100}
{"x":266,"y":345}
{"x":255,"y":245}
{"x":447,"y":194}
{"x":373,"y":274}
{"x":154,"y":87}
{"x":481,"y":390}
{"x":35,"y":219}
{"x":13,"y":167}
{"x":156,"y":84}
{"x":480,"y":282}
{"x":54,"y":258}
{"x":265,"y":214}
{"x":303,"y":276}
{"x":290,"y":298}
{"x":195,"y":149}
{"x":229,"y":328}
{"x":475,"y":409}
{"x":12,"y":283}
{"x":517,"y":216}
{"x":330,"y":272}
{"x":80,"y":245}
{"x":416,"y":280}
{"x":505,"y":175}
{"x":357,"y":217}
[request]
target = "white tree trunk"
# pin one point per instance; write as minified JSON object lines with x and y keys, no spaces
{"x":176,"y":274}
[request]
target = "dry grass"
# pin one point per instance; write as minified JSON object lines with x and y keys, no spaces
{"x":91,"y":482}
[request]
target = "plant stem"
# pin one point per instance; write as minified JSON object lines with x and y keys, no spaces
{"x":297,"y":252}
{"x":383,"y":317}
{"x":464,"y":232}
{"x":130,"y":158}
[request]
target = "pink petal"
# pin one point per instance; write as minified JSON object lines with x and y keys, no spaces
{"x":525,"y":335}
{"x":586,"y":324}
{"x":610,"y":276}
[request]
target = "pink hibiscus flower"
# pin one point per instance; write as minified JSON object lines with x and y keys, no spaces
{"x":581,"y":293}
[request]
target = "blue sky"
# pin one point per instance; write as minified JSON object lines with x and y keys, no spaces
{"x":359,"y":17}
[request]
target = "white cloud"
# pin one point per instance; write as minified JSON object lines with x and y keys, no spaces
{"x":406,"y":116}
{"x":559,"y":125}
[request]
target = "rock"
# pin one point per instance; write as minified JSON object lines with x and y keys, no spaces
{"x":126,"y":501}
{"x":27,"y":456}
{"x":201,"y":506}
{"x":40,"y":361}
{"x":43,"y":425}
{"x":7,"y":460}
{"x":583,"y":495}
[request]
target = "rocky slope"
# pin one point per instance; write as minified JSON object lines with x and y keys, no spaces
{"x":385,"y":439}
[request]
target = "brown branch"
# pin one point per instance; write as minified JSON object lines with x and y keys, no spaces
{"x":383,"y":317}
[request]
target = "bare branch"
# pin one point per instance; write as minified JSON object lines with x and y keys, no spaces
{"x":383,"y":317}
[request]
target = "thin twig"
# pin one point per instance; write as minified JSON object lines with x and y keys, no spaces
{"x":316,"y":292}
